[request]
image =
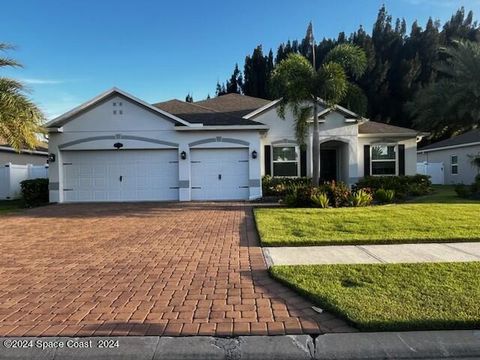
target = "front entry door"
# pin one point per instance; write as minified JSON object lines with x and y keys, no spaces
{"x":328,"y":164}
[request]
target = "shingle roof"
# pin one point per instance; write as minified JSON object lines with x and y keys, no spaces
{"x":373,"y":127}
{"x":472,"y":136}
{"x":234,"y":104}
{"x":195,"y":113}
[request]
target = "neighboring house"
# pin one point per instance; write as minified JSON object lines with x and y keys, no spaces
{"x":37,"y":156}
{"x":119,"y":148}
{"x":456,"y":154}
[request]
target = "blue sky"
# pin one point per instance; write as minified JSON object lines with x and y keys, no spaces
{"x":158,"y":50}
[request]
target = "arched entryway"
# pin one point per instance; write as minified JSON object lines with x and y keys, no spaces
{"x":334,"y":161}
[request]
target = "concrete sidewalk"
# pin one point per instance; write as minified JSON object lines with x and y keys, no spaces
{"x":373,"y":254}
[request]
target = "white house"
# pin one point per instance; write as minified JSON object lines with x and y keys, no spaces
{"x":117,"y":147}
{"x":457,"y":155}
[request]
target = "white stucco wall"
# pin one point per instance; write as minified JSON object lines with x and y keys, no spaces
{"x":466,"y":171}
{"x":101,"y":128}
{"x":333,"y":128}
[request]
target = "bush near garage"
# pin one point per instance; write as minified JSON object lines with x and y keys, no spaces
{"x":34,"y":192}
{"x":281,"y":186}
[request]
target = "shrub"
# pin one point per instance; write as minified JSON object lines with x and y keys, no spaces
{"x":321,"y":200}
{"x":361,"y":197}
{"x":300,"y":195}
{"x":462,"y":191}
{"x":385,"y":196}
{"x":34,"y":192}
{"x":281,"y":186}
{"x":338,"y":192}
{"x":415,"y":185}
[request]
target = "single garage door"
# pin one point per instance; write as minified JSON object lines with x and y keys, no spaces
{"x":219,"y":174}
{"x":121,"y":175}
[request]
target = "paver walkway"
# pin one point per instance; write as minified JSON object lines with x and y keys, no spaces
{"x":143,"y":269}
{"x":373,"y":254}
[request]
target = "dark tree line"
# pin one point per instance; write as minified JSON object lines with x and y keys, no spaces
{"x":400,"y":62}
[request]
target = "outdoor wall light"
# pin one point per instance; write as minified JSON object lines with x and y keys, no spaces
{"x":254,"y":154}
{"x":118,"y":145}
{"x":51,"y":158}
{"x":183,"y":155}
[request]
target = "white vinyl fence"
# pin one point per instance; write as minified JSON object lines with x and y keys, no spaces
{"x":434,"y":170}
{"x":12,"y":175}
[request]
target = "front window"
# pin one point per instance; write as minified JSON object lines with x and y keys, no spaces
{"x":384,"y":160}
{"x":285,"y":161}
{"x":454,"y":164}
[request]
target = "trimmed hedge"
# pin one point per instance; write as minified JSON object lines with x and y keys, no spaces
{"x":34,"y":192}
{"x":280,"y":186}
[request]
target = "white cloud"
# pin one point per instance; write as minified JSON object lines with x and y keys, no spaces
{"x":36,"y":81}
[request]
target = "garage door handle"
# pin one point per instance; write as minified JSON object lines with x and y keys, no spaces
{"x":121,"y":178}
{"x":219,"y":176}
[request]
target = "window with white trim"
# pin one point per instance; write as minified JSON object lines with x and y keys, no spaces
{"x":454,"y":164}
{"x":285,"y":161}
{"x":383,"y":160}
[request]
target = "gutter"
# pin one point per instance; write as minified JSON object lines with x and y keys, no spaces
{"x":32,"y":152}
{"x":223,"y":127}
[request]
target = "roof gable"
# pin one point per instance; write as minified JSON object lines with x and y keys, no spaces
{"x":107,"y":95}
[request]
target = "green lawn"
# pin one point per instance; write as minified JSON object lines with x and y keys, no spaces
{"x":7,"y":206}
{"x":394,"y":296}
{"x":438,"y":217}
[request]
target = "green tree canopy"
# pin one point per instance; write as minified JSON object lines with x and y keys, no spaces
{"x":451,"y":104}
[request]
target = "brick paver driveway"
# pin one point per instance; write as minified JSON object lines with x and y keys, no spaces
{"x":143,"y":269}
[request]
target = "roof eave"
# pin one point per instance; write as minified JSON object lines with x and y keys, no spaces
{"x":223,"y":127}
{"x":420,"y":151}
{"x":387,"y":134}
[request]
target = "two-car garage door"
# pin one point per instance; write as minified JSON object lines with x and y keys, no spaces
{"x":153,"y":175}
{"x":120,"y":175}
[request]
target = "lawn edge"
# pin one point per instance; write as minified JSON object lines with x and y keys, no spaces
{"x":284,"y":243}
{"x":372,"y":327}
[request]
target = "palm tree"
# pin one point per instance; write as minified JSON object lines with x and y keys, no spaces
{"x":20,"y":119}
{"x":303,"y":88}
{"x":451,"y":104}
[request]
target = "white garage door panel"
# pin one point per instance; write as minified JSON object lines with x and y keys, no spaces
{"x":145,"y":175}
{"x":219,"y":174}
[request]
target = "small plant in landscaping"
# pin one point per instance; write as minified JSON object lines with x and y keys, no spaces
{"x":361,"y":197}
{"x":321,"y":200}
{"x":385,"y":196}
{"x":338,"y":192}
{"x":34,"y":192}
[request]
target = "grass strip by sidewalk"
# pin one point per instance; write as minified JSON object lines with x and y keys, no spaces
{"x":393,"y":297}
{"x":401,"y":223}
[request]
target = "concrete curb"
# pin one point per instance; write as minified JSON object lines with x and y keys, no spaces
{"x":464,"y":344}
